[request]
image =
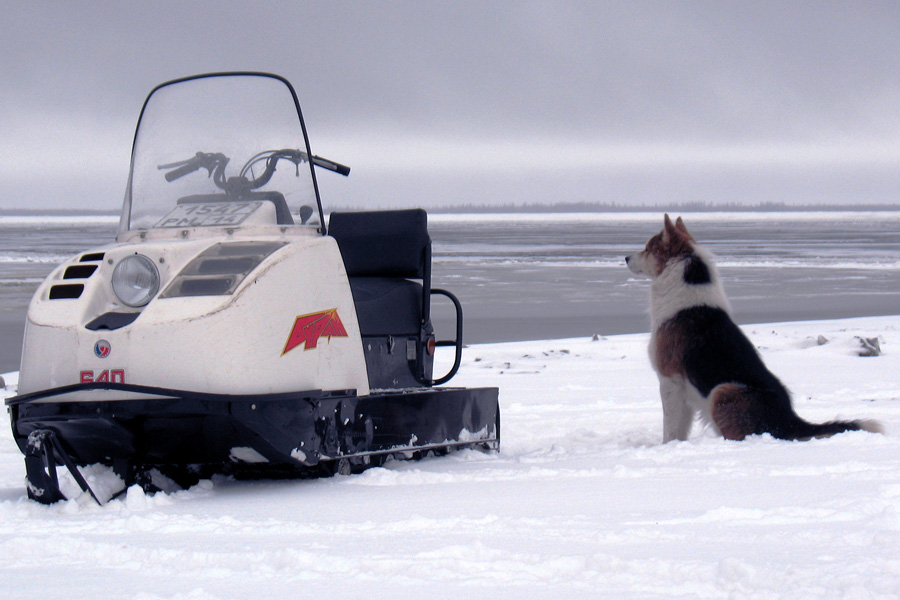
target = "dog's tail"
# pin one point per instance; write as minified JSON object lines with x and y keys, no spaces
{"x":807,"y":431}
{"x":739,"y":411}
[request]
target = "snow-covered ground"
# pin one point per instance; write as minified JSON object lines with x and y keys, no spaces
{"x":582,"y":501}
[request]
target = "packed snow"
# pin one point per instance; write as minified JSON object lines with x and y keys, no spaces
{"x":582,"y":501}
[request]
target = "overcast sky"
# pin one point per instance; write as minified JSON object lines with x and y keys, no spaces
{"x":436,"y":103}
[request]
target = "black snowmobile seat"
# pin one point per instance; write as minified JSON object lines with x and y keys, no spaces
{"x":387,"y":243}
{"x":382,"y":251}
{"x":387,"y":305}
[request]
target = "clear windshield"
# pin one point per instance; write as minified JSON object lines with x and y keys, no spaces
{"x":223,"y":143}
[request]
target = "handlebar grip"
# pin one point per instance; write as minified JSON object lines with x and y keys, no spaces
{"x":183,"y":170}
{"x":331,"y":165}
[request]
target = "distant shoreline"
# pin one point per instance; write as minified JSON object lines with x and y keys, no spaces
{"x":50,"y":212}
{"x":562,"y":208}
{"x":687,"y":207}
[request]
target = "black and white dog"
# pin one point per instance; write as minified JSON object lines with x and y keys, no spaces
{"x":704,"y":362}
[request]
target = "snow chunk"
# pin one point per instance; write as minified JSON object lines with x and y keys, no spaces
{"x":247,"y":455}
{"x":870,"y":346}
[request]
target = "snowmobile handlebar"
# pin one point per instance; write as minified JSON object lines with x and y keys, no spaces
{"x":215,"y":162}
{"x":189,"y":167}
{"x":295,"y":156}
{"x":331,"y":165}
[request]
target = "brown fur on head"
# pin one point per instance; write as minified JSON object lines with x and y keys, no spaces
{"x":673,"y":241}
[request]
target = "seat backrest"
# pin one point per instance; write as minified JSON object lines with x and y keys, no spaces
{"x":388,"y":243}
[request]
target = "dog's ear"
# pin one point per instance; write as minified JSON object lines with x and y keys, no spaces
{"x":679,"y":225}
{"x":669,"y":229}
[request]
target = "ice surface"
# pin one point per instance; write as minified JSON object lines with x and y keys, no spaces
{"x":582,"y":501}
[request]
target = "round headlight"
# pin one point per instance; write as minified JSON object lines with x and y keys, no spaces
{"x":135,"y":280}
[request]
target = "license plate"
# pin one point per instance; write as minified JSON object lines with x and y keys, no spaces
{"x":209,"y":214}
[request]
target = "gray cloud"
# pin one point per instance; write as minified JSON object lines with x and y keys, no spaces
{"x":483,"y":101}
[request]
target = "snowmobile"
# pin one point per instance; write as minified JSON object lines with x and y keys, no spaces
{"x":230,"y":328}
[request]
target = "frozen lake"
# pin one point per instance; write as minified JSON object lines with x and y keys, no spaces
{"x":554,"y":276}
{"x":550,"y":276}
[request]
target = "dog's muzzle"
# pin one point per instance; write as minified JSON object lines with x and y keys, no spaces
{"x":632,"y":264}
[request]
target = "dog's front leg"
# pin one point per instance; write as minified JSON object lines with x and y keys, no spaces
{"x":677,"y":413}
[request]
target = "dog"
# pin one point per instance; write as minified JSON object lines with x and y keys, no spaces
{"x":704,"y":362}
